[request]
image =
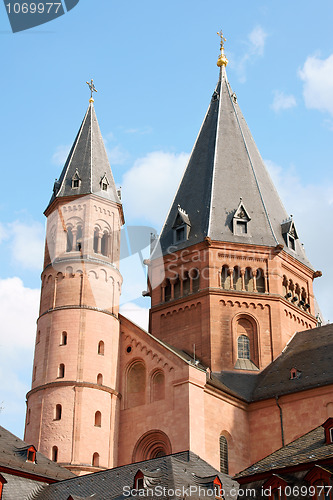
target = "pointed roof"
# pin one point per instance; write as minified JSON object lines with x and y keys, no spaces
{"x":87,"y":167}
{"x":224,"y":166}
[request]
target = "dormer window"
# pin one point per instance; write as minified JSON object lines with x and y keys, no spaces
{"x":76,"y":180}
{"x":241,"y":227}
{"x":180,"y":234}
{"x":295,"y":374}
{"x":241,"y":219}
{"x":2,"y":482}
{"x":181,"y":226}
{"x":291,"y":242}
{"x":328,"y":426}
{"x":139,"y":481}
{"x":289,"y":233}
{"x":31,"y":454}
{"x":104,"y":183}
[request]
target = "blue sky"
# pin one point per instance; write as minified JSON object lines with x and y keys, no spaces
{"x":154,"y":65}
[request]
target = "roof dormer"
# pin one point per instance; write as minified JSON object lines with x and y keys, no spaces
{"x":181,"y":226}
{"x":104,"y":183}
{"x":328,"y":426}
{"x":241,"y":219}
{"x":289,"y":233}
{"x":294,"y":374}
{"x":76,"y":180}
{"x":139,"y":480}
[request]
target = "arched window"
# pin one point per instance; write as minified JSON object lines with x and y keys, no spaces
{"x":246,"y":343}
{"x":63,"y":340}
{"x":98,"y":419}
{"x":61,"y":371}
{"x":153,"y":444}
{"x":28,"y":417}
{"x":225,"y":278}
{"x":55,"y":454}
{"x":38,"y":337}
{"x":157,"y":386}
{"x":186,"y":284}
{"x":95,"y":460}
{"x":69,"y":247}
{"x":34,"y":374}
{"x":284,"y":285}
{"x":100,"y":348}
{"x":105,"y":244}
{"x":195,"y":275}
{"x":291,"y":286}
{"x":260,"y":281}
{"x":176,"y":289}
{"x":224,"y":466}
{"x":96,"y":239}
{"x":99,"y":379}
{"x":248,"y":278}
{"x":136,"y":384}
{"x":79,"y":235}
{"x":237,"y":279}
{"x":297,"y":292}
{"x":321,"y":490}
{"x":167,"y":291}
{"x":57,"y":413}
{"x":243,"y":347}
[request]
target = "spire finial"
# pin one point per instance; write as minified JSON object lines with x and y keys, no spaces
{"x":222,"y":60}
{"x":92,"y":89}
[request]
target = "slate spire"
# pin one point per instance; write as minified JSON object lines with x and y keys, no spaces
{"x":87,"y":169}
{"x":224,"y":167}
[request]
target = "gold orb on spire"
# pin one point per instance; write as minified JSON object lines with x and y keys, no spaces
{"x":222,"y":60}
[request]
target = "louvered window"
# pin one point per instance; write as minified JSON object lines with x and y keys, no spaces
{"x":224,"y":455}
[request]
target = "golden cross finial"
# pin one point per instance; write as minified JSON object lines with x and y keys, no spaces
{"x":222,"y":60}
{"x":220,"y":33}
{"x":92,"y":89}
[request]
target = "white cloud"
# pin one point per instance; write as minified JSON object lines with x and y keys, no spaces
{"x":257,"y":39}
{"x":255,"y":47}
{"x":149,"y":185}
{"x":18,"y":313}
{"x":60,"y":155}
{"x":3,"y":233}
{"x":135,"y":313}
{"x":27,"y":244}
{"x":139,"y":131}
{"x":312,"y":208}
{"x":317,"y":75}
{"x":282,"y":101}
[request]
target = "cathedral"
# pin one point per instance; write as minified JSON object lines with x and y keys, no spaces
{"x":234,"y":364}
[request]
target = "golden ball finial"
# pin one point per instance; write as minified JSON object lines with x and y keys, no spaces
{"x":91,"y":100}
{"x":222,"y":60}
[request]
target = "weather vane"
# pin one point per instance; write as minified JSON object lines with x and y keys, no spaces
{"x":92,"y":89}
{"x":222,"y":39}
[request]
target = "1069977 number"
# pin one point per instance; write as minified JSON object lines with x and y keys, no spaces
{"x":33,"y":8}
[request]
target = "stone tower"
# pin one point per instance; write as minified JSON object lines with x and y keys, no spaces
{"x":75,"y":383}
{"x":234,"y":283}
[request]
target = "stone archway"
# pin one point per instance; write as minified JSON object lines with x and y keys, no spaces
{"x":152,"y":444}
